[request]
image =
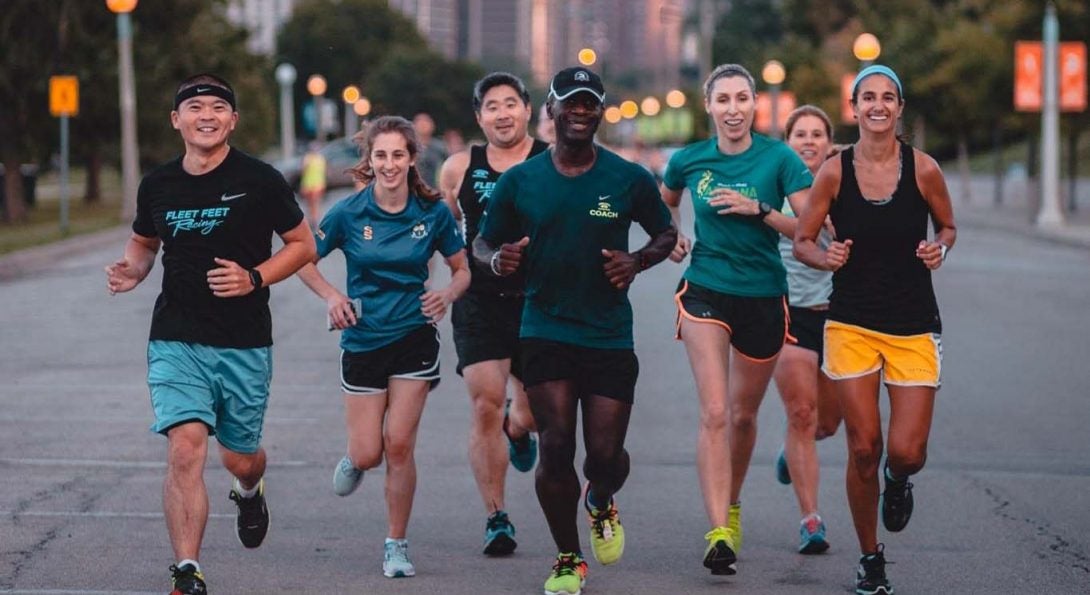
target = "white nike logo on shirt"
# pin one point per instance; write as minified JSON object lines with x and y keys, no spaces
{"x":226,"y":198}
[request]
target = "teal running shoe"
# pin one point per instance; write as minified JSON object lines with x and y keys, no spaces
{"x":499,"y":535}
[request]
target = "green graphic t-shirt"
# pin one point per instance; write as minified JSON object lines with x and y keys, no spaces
{"x":569,"y":220}
{"x":737,"y":254}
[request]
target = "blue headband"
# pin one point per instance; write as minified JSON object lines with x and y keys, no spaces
{"x":877,"y":69}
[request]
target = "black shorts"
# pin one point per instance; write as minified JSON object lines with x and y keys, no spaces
{"x":604,"y":372}
{"x":808,"y":328}
{"x":757,"y":325}
{"x":414,"y":356}
{"x":486,"y":327}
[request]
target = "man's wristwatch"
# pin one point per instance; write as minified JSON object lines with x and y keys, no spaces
{"x":255,"y":279}
{"x":763,"y":209}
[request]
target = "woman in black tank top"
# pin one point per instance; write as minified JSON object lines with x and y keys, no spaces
{"x":883,"y":316}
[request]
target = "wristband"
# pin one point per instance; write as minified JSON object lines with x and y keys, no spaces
{"x":494,"y":264}
{"x":255,"y":279}
{"x":943,"y":249}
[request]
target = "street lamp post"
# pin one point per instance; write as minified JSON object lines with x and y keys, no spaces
{"x":350,"y":95}
{"x":1050,"y":214}
{"x":285,"y":76}
{"x":130,"y":167}
{"x":774,"y":74}
{"x":316,"y":86}
{"x":866,"y":49}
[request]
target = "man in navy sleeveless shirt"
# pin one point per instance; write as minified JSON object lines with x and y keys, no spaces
{"x":486,"y":320}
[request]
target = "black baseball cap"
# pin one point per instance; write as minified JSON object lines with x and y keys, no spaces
{"x":572,"y":80}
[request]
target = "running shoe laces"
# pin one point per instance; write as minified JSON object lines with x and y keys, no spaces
{"x":187,"y":580}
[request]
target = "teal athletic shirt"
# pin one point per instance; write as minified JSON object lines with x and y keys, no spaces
{"x":569,"y":221}
{"x":387,"y":259}
{"x":736,"y":254}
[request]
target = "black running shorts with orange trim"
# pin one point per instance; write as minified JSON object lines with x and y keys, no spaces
{"x":757,"y":325}
{"x":608,"y":373}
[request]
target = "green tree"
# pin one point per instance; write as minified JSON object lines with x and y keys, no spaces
{"x":343,"y":41}
{"x":28,"y":41}
{"x":171,"y":41}
{"x":441,"y":88}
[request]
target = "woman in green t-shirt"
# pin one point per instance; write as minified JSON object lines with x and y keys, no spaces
{"x":732,"y":311}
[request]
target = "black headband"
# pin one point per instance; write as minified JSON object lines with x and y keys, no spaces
{"x":206,"y":89}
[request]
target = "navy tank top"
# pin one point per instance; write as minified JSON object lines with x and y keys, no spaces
{"x":473,"y":197}
{"x":883,"y":287}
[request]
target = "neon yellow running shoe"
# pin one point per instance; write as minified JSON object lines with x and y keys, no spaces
{"x":606,"y":532}
{"x":568,"y":576}
{"x":734,"y":522}
{"x":719,"y":556}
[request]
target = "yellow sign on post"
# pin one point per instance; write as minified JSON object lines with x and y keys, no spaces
{"x":63,"y":95}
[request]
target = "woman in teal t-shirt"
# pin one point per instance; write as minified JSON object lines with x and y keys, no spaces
{"x":390,"y":347}
{"x":732,"y":312}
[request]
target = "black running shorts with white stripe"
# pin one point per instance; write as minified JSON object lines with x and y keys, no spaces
{"x":414,"y":356}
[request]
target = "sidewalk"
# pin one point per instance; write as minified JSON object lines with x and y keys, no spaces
{"x":26,"y":262}
{"x":1017,"y":211}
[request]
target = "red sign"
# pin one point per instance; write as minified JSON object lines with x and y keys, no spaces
{"x":785,"y":105}
{"x":1029,"y":76}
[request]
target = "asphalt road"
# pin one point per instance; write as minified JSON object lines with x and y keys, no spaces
{"x":1002,"y":506}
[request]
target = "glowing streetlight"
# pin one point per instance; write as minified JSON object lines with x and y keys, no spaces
{"x":650,"y":106}
{"x":866,"y":48}
{"x":362,"y":106}
{"x":675,"y":99}
{"x":629,"y":109}
{"x":285,"y":77}
{"x":317,"y":86}
{"x":613,"y":114}
{"x":130,"y":166}
{"x":350,"y":95}
{"x":774,"y":74}
{"x":587,"y":57}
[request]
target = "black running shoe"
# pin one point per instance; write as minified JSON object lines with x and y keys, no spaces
{"x":499,"y":535}
{"x":870,"y":577}
{"x":187,"y":580}
{"x":718,"y":555}
{"x":896,"y":502}
{"x":252,"y":522}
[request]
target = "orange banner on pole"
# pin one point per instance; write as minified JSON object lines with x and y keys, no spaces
{"x":1028,"y":75}
{"x":1073,"y":76}
{"x":785,"y":105}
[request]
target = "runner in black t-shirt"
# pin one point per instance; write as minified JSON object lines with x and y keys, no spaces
{"x":486,"y":319}
{"x":214,"y":211}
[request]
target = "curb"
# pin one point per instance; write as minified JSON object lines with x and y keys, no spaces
{"x":1074,"y":236}
{"x":26,"y":262}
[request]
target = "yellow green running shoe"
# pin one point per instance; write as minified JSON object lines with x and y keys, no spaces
{"x":719,"y":556}
{"x":734,"y":522}
{"x":568,"y":576}
{"x":606,"y":532}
